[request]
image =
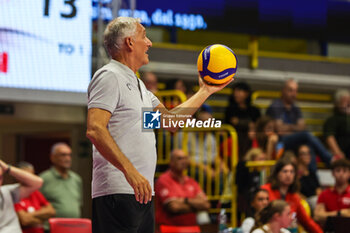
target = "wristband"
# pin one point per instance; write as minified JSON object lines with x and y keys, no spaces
{"x":8,"y":169}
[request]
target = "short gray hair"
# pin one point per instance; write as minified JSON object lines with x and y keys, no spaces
{"x":56,"y":145}
{"x":24,"y":164}
{"x":340,"y":94}
{"x":117,"y":30}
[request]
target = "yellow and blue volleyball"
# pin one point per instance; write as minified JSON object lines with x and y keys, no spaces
{"x":217,"y":64}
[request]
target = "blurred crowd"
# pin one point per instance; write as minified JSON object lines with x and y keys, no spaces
{"x":292,"y":197}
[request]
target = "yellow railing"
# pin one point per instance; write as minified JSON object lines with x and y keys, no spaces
{"x":171,"y":98}
{"x":254,"y":52}
{"x":300,"y":96}
{"x":211,"y":160}
{"x":225,"y":159}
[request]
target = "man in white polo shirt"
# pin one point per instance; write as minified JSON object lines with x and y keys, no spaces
{"x":124,"y":157}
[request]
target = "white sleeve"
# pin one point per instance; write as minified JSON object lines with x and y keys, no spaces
{"x":247,"y":225}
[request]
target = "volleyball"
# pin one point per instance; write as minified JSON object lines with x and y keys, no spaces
{"x":217,"y":64}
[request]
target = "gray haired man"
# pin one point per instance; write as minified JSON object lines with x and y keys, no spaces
{"x":124,"y":157}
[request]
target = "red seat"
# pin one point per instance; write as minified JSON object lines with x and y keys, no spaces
{"x":70,"y":225}
{"x":179,"y":229}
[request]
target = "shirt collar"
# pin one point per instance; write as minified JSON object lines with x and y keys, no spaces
{"x":347,"y":190}
{"x":57,"y":174}
{"x":124,"y":68}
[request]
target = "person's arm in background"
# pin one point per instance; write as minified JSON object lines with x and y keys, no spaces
{"x":28,"y":182}
{"x":333,"y":146}
{"x":271,"y":146}
{"x":282,"y":128}
{"x":285,"y":129}
{"x":320,"y":213}
{"x":187,"y":205}
{"x":28,"y":219}
{"x":329,"y":129}
{"x":306,"y":221}
{"x":37,"y":217}
{"x":45,"y":212}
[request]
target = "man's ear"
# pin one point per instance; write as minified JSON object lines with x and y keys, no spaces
{"x":129,"y":43}
{"x":276,"y":215}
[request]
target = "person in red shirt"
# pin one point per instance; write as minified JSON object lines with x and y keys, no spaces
{"x":284,"y":185}
{"x":33,"y":210}
{"x":335,"y":201}
{"x":178,"y":197}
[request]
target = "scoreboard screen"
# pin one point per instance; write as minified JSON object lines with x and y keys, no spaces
{"x":45,"y":44}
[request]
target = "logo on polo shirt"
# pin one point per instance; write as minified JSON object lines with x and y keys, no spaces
{"x":151,"y":120}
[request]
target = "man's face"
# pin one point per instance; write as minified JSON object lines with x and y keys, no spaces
{"x":260,"y":201}
{"x":290,"y":92}
{"x":240,"y":95}
{"x":344,"y":104}
{"x":286,"y":175}
{"x":341,"y":175}
{"x":62,"y":157}
{"x":286,"y":217}
{"x":142,"y":44}
{"x":179,"y":161}
{"x":304,"y":155}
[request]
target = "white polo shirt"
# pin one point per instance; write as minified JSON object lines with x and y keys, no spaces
{"x":115,"y":88}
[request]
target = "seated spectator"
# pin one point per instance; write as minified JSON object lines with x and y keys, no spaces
{"x":62,"y":187}
{"x":337,"y":128}
{"x":309,"y":184}
{"x":202,"y":146}
{"x":247,"y":181}
{"x":291,"y":127}
{"x":179,"y":85}
{"x":260,"y":199}
{"x":150,"y":80}
{"x":274,"y":218}
{"x":283,"y":185}
{"x":266,"y":137}
{"x":335,"y":201}
{"x":11,"y":194}
{"x":178,"y":197}
{"x":33,"y":210}
{"x":241,"y":113}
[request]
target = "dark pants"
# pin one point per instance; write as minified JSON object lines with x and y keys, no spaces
{"x":121,"y":213}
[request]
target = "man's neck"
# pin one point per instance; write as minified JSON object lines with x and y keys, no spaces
{"x":179,"y":176}
{"x":286,"y":103}
{"x":340,"y":188}
{"x":274,"y":227}
{"x":62,"y":171}
{"x":128,"y":61}
{"x":242,"y":105}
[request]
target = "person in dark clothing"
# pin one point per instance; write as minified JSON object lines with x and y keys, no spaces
{"x":241,"y":113}
{"x":248,"y":181}
{"x":337,"y":127}
{"x":309,"y":184}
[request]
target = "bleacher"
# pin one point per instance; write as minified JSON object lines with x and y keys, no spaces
{"x":315,"y":107}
